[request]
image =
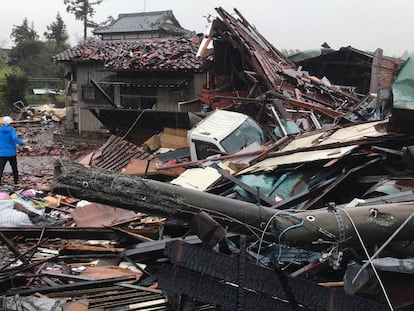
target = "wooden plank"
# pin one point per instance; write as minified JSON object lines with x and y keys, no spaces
{"x":74,"y":286}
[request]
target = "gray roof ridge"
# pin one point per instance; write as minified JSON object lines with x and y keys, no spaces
{"x":145,"y":13}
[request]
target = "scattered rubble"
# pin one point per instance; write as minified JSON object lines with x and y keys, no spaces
{"x":313,"y":213}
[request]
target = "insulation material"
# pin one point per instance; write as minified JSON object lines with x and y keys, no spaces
{"x":197,"y":178}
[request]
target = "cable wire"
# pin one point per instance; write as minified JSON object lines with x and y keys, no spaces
{"x":369,"y":257}
{"x":405,"y":222}
{"x":283,"y":232}
{"x":264,"y":232}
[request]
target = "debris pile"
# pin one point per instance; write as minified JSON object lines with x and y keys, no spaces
{"x":265,"y":76}
{"x":292,"y":194}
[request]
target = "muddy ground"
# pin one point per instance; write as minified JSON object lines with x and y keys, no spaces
{"x":37,"y":156}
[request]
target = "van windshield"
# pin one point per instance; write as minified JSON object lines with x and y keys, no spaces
{"x":247,"y":133}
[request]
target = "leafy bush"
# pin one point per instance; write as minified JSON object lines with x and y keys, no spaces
{"x":45,"y":98}
{"x":16,"y":85}
{"x":13,"y":84}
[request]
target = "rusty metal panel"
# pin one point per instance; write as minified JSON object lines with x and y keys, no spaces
{"x":117,"y":153}
{"x":99,"y":215}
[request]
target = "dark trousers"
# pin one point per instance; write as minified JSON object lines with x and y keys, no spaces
{"x":13,"y":164}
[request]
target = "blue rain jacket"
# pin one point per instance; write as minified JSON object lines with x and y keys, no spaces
{"x":8,"y":141}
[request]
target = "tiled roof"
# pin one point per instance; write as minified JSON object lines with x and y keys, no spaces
{"x":149,"y":54}
{"x":136,"y":22}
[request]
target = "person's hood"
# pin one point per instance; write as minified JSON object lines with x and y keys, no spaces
{"x":5,"y":129}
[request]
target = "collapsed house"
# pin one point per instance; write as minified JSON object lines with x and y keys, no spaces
{"x":348,"y":67}
{"x":317,"y":216}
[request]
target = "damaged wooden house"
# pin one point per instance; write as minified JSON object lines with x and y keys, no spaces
{"x":143,"y":61}
{"x":300,"y":198}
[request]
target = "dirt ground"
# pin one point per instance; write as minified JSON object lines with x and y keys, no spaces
{"x":37,"y":156}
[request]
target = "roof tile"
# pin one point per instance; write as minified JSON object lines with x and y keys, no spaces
{"x":148,"y":54}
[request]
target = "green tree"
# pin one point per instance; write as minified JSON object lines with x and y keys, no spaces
{"x":24,"y":32}
{"x":34,"y":57}
{"x":57,"y":33}
{"x":83,"y":10}
{"x":26,"y":55}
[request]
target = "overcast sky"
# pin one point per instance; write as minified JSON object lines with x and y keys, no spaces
{"x":287,"y":24}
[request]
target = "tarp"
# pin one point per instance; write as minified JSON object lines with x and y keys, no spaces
{"x":11,"y":217}
{"x":403,"y":86}
{"x":302,"y":55}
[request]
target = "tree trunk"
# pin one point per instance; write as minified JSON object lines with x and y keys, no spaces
{"x":85,"y":28}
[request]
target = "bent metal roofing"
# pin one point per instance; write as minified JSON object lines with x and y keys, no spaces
{"x":169,"y":54}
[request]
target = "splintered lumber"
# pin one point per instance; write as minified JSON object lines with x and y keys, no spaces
{"x":62,"y":232}
{"x":155,"y":198}
{"x":375,"y":224}
{"x":74,"y":286}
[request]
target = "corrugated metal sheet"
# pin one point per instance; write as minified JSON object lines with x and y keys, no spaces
{"x":100,"y":215}
{"x":299,"y":157}
{"x":349,"y":133}
{"x":139,"y":125}
{"x":116,"y":153}
{"x":89,"y":123}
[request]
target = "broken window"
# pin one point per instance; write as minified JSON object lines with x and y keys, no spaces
{"x":247,"y":133}
{"x":204,"y":149}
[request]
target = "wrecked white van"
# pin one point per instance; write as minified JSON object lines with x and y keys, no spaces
{"x":225,"y":132}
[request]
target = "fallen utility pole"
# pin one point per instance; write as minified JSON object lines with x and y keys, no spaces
{"x":155,"y":198}
{"x":375,"y":223}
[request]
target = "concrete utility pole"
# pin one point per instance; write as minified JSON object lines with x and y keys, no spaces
{"x":156,"y":198}
{"x":375,"y":71}
{"x":375,"y":223}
